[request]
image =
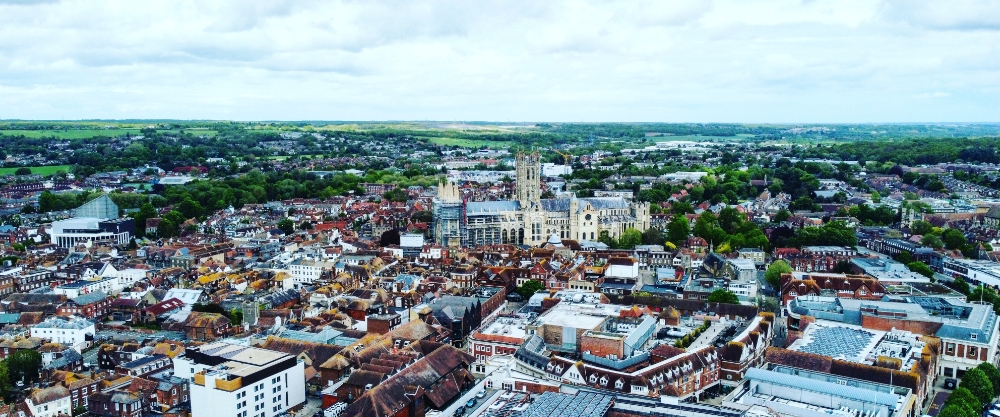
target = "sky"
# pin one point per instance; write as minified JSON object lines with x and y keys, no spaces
{"x":742,"y":61}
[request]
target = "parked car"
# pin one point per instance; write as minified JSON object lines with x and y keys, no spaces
{"x":481,"y":394}
{"x":472,"y":402}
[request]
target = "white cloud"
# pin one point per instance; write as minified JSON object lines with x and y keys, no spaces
{"x":571,"y":60}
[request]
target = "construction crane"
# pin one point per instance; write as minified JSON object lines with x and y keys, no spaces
{"x":566,"y":156}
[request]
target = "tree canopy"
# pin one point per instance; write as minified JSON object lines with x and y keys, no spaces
{"x":774,"y":271}
{"x":724,"y":296}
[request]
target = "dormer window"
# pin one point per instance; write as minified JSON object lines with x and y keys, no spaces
{"x":593,"y":379}
{"x":973,"y":336}
{"x":619,"y":384}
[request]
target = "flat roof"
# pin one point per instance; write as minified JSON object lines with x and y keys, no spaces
{"x":579,"y":316}
{"x":838,"y":341}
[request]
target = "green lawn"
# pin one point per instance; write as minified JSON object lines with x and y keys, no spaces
{"x":469,"y":143}
{"x":197,"y":132}
{"x":70,"y":133}
{"x":42,"y":170}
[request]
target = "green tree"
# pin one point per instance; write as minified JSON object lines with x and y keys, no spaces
{"x":921,"y":227}
{"x":395,"y":195}
{"x":961,"y":286}
{"x":530,"y":287}
{"x":963,"y":397}
{"x":5,"y":381}
{"x":22,"y":171}
{"x":932,"y":241}
{"x":876,"y":197}
{"x":782,"y":215}
{"x":286,"y":225}
{"x":993,"y":374}
{"x":679,"y":229}
{"x":24,"y":364}
{"x":774,"y":271}
{"x":979,"y":384}
{"x":957,"y":410}
{"x":953,"y":238}
{"x":652,"y":236}
{"x":630,"y":238}
{"x":723,"y":296}
{"x":424,"y":216}
{"x":920,"y":268}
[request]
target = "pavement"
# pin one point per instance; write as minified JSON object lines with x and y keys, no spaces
{"x":311,"y":407}
{"x":709,"y":335}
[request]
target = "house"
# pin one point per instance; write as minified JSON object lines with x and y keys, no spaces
{"x":206,"y":327}
{"x":74,"y":331}
{"x":115,"y":404}
{"x":94,"y":305}
{"x":433,"y":381}
{"x":49,"y":402}
{"x":461,"y":315}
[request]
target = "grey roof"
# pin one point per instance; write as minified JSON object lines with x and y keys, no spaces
{"x":490,"y":207}
{"x":994,"y":212}
{"x":101,"y":207}
{"x":642,"y":333}
{"x":583,"y":404}
{"x":69,"y":356}
{"x":603,"y":203}
{"x":90,"y":298}
{"x":555,"y":204}
{"x":823,"y":387}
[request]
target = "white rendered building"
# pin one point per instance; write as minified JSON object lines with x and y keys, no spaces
{"x":71,"y":331}
{"x":239,"y":381}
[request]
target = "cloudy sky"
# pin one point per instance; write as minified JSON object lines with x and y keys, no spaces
{"x":661,"y":60}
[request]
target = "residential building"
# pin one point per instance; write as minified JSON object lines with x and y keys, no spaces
{"x":235,"y":380}
{"x":49,"y":402}
{"x":75,"y":332}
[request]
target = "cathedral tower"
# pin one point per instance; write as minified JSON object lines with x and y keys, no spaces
{"x":529,"y":186}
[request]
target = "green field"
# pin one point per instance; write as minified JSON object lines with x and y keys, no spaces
{"x":469,"y":143}
{"x":698,"y":138}
{"x":42,"y":170}
{"x":69,"y":133}
{"x":196,"y":131}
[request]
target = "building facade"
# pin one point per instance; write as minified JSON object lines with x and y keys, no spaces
{"x":234,"y":380}
{"x":529,"y":219}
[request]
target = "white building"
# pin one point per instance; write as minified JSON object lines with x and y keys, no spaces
{"x":109,"y":285}
{"x":234,"y":380}
{"x":49,"y":402}
{"x":308,"y":271}
{"x":76,"y":332}
{"x":95,"y":221}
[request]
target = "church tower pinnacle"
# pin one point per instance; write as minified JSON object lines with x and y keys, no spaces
{"x":529,"y":186}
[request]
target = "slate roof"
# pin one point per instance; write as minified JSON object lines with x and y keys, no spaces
{"x":439,"y":375}
{"x":605,"y":203}
{"x":94,"y":297}
{"x":490,"y":207}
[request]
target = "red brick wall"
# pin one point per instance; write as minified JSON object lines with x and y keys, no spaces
{"x":886,"y":324}
{"x":378,"y":326}
{"x":533,"y":387}
{"x":600,"y":346}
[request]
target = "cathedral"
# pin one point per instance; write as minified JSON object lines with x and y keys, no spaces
{"x":530,"y":219}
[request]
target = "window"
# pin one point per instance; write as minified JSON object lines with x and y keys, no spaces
{"x":973,"y":351}
{"x":973,"y":336}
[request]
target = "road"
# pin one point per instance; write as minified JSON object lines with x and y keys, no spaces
{"x":450,"y":410}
